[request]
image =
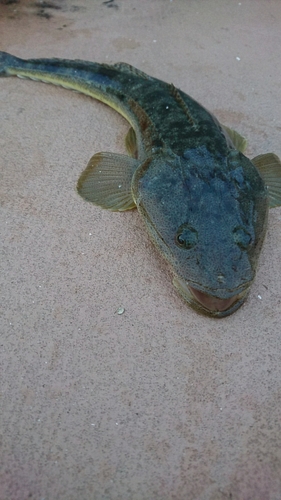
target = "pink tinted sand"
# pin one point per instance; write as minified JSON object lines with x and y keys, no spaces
{"x":157,"y":402}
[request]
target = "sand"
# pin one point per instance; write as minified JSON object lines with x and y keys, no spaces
{"x":157,"y":403}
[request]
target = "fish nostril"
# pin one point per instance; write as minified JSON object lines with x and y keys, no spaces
{"x":221,"y":278}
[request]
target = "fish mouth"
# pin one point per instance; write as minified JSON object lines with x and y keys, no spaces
{"x":209,"y":303}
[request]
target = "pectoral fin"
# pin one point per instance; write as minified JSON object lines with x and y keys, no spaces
{"x":131,"y":143}
{"x":106,"y":181}
{"x":269,"y":167}
{"x":238,"y":140}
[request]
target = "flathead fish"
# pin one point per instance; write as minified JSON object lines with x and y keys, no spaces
{"x":204,"y":203}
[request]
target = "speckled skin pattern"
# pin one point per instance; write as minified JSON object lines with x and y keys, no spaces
{"x":203,"y":202}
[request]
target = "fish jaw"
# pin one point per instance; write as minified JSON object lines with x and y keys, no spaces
{"x":212,"y":303}
{"x":208,"y":303}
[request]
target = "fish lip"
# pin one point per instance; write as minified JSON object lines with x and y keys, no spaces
{"x":219,"y":307}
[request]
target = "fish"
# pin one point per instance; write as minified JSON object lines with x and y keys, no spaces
{"x":203,"y":202}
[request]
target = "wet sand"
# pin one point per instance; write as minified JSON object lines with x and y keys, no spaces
{"x":158,"y":403}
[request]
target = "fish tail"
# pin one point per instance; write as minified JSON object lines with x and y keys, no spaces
{"x":100,"y":81}
{"x":7,"y":61}
{"x":93,"y":79}
{"x":116,"y":86}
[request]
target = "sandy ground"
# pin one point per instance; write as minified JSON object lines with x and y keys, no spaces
{"x":159,"y":403}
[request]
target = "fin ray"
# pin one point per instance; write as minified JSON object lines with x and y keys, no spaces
{"x":106,"y":181}
{"x":269,"y":167}
{"x":238,"y":140}
{"x":178,"y":98}
{"x":131,"y":143}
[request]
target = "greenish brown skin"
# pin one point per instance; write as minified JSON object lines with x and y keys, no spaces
{"x":203,"y":202}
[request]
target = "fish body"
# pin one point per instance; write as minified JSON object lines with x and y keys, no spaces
{"x":204,"y":203}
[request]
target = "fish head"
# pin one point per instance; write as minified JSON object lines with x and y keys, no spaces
{"x":207,"y":215}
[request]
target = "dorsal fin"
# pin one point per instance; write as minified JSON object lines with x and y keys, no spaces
{"x":152,"y":140}
{"x":127,"y":68}
{"x":178,"y":98}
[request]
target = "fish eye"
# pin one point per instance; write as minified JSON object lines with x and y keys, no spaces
{"x":186,"y":236}
{"x":242,"y":238}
